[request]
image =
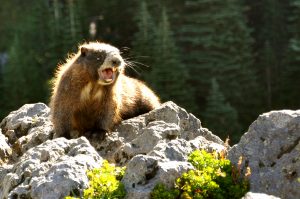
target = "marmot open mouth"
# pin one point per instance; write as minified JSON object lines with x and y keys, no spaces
{"x":108,"y":74}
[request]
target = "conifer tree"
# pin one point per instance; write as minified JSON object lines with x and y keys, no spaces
{"x":13,"y":81}
{"x":67,"y":23}
{"x":36,"y":33}
{"x":220,"y":117}
{"x":72,"y":28}
{"x":143,"y":38}
{"x":216,"y":42}
{"x":271,"y":55}
{"x":56,"y":52}
{"x":24,"y":79}
{"x":168,"y":76}
{"x":290,"y":87}
{"x":268,"y":61}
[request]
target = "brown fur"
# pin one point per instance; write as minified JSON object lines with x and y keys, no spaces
{"x":81,"y":103}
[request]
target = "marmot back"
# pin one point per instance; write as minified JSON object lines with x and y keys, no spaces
{"x":91,"y":93}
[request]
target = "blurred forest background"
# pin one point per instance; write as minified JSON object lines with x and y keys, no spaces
{"x":226,"y":61}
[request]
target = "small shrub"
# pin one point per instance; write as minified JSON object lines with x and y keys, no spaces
{"x":161,"y":192}
{"x":213,"y":177}
{"x":104,"y":183}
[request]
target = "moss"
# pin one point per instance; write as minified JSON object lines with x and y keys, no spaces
{"x":104,"y":183}
{"x":213,"y":177}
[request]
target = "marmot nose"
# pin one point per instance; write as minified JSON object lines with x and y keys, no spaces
{"x":116,"y":61}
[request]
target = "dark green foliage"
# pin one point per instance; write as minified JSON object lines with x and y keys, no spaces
{"x":14,"y":77}
{"x":289,"y":83}
{"x":268,"y":61}
{"x":272,"y":50}
{"x":217,"y":44}
{"x":213,"y":177}
{"x":251,"y":47}
{"x":143,"y":39}
{"x":23,"y":76}
{"x":154,"y":42}
{"x":115,"y":21}
{"x":168,"y":75}
{"x":161,"y":192}
{"x":41,"y":38}
{"x":220,"y":117}
{"x":71,"y":29}
{"x":66,"y":22}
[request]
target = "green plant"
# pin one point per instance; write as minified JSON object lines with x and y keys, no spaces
{"x":161,"y":192}
{"x":104,"y":183}
{"x":213,"y":177}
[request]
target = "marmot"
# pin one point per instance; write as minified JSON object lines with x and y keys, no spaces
{"x":91,"y":92}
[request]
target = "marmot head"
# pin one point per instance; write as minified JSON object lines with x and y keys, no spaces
{"x":102,"y":61}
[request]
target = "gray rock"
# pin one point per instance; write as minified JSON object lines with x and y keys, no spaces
{"x":153,"y":146}
{"x":251,"y":195}
{"x":271,"y":148}
{"x":27,"y":127}
{"x":179,"y":149}
{"x":26,"y":117}
{"x":53,"y":169}
{"x":169,"y":171}
{"x":144,"y":172}
{"x":5,"y":150}
{"x":157,"y":151}
{"x":139,"y":170}
{"x":150,"y":134}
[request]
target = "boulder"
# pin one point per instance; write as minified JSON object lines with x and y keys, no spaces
{"x":5,"y":150}
{"x":53,"y":169}
{"x":158,"y":133}
{"x":143,"y":172}
{"x":154,"y":147}
{"x":26,"y":117}
{"x":33,"y":165}
{"x":271,"y":148}
{"x":26,"y":128}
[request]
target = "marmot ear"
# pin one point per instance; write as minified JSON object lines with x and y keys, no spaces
{"x":83,"y":51}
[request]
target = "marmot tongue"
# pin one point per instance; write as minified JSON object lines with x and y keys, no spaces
{"x":107,"y":74}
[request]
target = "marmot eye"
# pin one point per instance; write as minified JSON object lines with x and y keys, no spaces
{"x":98,"y":58}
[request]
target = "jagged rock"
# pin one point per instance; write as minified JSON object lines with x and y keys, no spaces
{"x":144,"y":172}
{"x":165,"y":137}
{"x":26,"y":117}
{"x":154,"y":146}
{"x":5,"y":150}
{"x":154,"y":132}
{"x":27,"y":127}
{"x":53,"y":169}
{"x":271,"y":148}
